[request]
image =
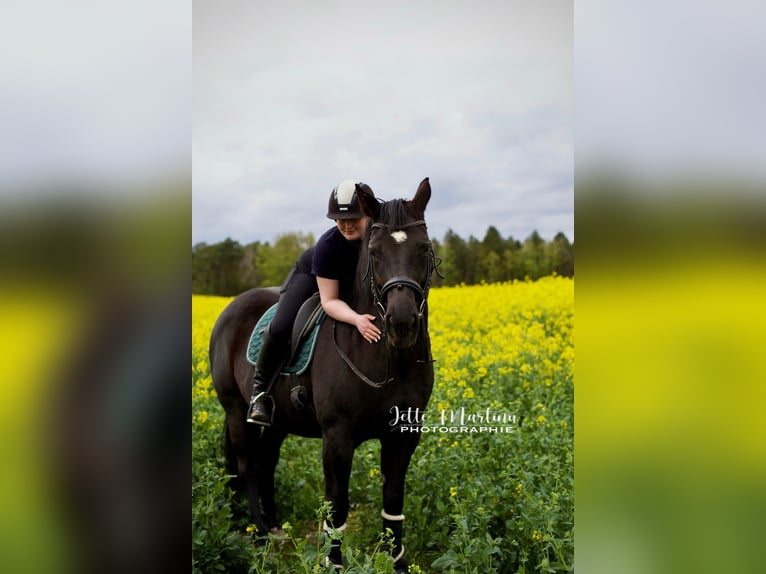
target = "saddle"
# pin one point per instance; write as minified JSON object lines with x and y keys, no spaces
{"x":303,"y":340}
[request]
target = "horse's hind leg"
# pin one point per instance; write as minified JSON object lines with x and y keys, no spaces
{"x":268,"y":456}
{"x":244,"y":439}
{"x":232,"y":464}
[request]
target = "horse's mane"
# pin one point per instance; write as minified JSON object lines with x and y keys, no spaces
{"x":394,"y":213}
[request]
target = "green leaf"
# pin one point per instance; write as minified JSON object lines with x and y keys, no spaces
{"x":445,"y":560}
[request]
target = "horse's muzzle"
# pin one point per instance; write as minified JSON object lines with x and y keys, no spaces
{"x":402,"y":318}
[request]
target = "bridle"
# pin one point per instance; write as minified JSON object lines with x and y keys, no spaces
{"x":397,"y":282}
{"x":402,"y":281}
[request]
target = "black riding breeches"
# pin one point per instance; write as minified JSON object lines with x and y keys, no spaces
{"x":299,"y":286}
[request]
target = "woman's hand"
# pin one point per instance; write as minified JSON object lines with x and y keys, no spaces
{"x":340,"y":311}
{"x":369,"y":331}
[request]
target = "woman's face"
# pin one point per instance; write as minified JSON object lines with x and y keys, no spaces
{"x":352,"y":229}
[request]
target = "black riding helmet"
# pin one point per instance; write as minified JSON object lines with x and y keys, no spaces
{"x":343,"y":201}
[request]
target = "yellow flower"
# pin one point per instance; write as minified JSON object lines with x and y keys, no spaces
{"x":250,"y":529}
{"x":536,"y":536}
{"x":518,"y":333}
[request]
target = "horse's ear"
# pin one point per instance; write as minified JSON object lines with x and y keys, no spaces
{"x":370,"y":206}
{"x":422,"y":196}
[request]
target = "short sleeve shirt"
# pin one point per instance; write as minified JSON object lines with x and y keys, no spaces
{"x":335,"y":257}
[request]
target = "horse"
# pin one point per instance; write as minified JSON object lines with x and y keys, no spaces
{"x":355,"y":391}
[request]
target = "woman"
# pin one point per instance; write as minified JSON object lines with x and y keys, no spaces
{"x":329,"y":268}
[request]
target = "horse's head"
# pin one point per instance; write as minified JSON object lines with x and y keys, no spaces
{"x":400,"y":263}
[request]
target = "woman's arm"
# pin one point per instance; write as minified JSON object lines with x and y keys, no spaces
{"x":339,"y":310}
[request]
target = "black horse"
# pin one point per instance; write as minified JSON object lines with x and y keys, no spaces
{"x":355,"y":391}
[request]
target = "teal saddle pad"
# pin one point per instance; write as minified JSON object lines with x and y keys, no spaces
{"x":301,"y":358}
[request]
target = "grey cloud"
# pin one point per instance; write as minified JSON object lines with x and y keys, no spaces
{"x":476,"y":98}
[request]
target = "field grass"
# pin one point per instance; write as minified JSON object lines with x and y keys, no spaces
{"x":479,"y":498}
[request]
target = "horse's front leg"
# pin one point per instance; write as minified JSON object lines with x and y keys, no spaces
{"x":395,"y":453}
{"x":337,"y":456}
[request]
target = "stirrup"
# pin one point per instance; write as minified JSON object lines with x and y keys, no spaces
{"x":255,"y":399}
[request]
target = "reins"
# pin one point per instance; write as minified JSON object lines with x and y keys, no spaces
{"x":355,"y":369}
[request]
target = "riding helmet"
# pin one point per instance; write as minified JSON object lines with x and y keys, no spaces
{"x":343,"y":201}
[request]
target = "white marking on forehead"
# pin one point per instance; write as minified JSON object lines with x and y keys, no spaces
{"x":399,"y":236}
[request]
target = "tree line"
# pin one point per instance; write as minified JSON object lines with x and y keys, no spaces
{"x":228,"y":268}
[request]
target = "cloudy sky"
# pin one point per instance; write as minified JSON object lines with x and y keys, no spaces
{"x":291,"y":98}
{"x":93,"y":91}
{"x":286,"y":102}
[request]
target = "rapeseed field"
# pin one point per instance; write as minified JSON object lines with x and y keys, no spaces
{"x":490,"y":487}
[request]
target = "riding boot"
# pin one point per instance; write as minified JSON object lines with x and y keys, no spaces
{"x":271,"y":358}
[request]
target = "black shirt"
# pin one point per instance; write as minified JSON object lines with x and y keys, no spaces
{"x":335,"y":257}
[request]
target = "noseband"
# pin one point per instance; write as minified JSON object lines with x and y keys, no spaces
{"x":402,"y":281}
{"x":399,"y":282}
